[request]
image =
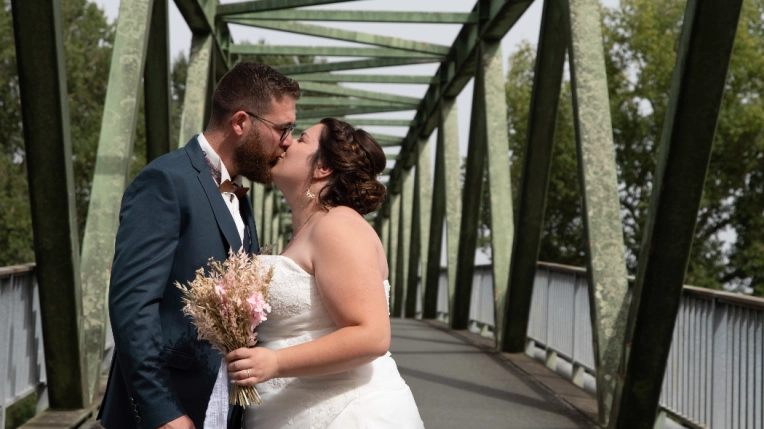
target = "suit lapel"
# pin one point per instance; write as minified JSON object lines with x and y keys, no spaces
{"x":219,"y":209}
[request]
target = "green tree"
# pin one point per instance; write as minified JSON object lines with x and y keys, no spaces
{"x":640,"y":41}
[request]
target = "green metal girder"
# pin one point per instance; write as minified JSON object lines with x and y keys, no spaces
{"x":391,"y":156}
{"x":266,"y":5}
{"x":361,"y":16}
{"x":404,"y":247}
{"x":257,"y":195}
{"x":414,"y":246}
{"x":385,"y":140}
{"x":494,"y":104}
{"x":295,"y":71}
{"x":359,"y":122}
{"x":156,"y":84}
{"x":498,"y":17}
{"x":200,"y":17}
{"x":328,"y":51}
{"x":113,"y":158}
{"x":438,"y":214}
{"x":192,"y":119}
{"x":386,"y":171}
{"x":308,"y":115}
{"x":346,"y":35}
{"x":472,"y":192}
{"x":345,"y":101}
{"x":365,"y":78}
{"x":606,"y":267}
{"x":350,"y":92}
{"x":424,"y":196}
{"x":38,"y":36}
{"x":697,"y":86}
{"x":547,"y":79}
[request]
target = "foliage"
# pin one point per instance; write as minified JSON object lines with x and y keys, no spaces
{"x":640,"y":41}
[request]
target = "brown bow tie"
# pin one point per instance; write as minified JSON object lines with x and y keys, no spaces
{"x":228,"y":186}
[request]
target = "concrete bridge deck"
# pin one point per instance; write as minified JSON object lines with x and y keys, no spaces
{"x":460,"y":383}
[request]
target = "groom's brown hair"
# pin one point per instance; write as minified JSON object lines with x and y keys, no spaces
{"x":250,"y":87}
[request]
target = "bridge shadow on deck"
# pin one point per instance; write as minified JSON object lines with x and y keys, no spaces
{"x":457,"y":384}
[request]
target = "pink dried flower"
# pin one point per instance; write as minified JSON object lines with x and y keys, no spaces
{"x":227,"y":304}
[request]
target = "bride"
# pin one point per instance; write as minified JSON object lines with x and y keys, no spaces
{"x":322,"y":359}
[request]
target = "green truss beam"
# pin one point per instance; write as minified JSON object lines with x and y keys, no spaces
{"x":316,"y":115}
{"x":267,"y":5}
{"x":156,"y":84}
{"x":346,"y":35}
{"x":328,"y":51}
{"x":291,"y":71}
{"x":386,"y":140}
{"x":371,"y":95}
{"x":345,"y":101}
{"x":365,"y":78}
{"x":381,"y":122}
{"x":458,"y":69}
{"x":697,"y":86}
{"x":360,"y":16}
{"x":38,"y":36}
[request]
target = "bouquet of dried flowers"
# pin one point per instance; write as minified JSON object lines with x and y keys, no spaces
{"x":227,"y":304}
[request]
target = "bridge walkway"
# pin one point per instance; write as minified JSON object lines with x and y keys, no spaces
{"x":460,"y":383}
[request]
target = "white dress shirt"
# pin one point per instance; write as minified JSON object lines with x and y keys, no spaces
{"x":229,"y":197}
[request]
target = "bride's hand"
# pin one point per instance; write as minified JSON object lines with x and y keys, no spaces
{"x":247,"y":367}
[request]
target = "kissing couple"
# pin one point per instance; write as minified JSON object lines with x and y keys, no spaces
{"x":322,"y":358}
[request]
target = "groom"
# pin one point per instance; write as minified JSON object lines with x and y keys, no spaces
{"x":184,"y":208}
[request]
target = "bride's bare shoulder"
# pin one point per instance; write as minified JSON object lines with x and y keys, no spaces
{"x":344,"y":223}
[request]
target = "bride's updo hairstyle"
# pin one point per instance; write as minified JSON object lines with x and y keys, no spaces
{"x":356,"y":160}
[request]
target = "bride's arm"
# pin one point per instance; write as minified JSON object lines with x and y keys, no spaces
{"x":345,"y":254}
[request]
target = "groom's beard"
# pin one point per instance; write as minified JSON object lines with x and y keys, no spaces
{"x":254,"y":161}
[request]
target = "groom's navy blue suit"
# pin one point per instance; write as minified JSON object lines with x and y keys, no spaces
{"x":172,"y":220}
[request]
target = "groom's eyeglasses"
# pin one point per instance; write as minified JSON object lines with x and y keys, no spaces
{"x":286,"y":130}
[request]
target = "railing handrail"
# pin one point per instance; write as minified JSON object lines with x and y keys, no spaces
{"x":16,"y":269}
{"x":752,"y":302}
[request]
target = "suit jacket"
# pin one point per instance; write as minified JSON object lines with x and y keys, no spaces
{"x":172,"y":221}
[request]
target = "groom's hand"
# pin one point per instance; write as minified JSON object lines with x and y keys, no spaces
{"x":182,"y":422}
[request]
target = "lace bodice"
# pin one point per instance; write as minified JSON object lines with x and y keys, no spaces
{"x":298,"y":315}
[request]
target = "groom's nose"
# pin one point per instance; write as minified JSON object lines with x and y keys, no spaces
{"x":286,"y":142}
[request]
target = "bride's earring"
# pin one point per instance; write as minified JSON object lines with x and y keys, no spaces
{"x":309,"y":194}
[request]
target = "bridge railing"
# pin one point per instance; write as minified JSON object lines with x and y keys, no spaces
{"x":22,"y":363}
{"x":22,"y":357}
{"x":714,"y":375}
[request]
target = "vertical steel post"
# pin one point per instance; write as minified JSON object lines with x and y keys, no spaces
{"x":266,"y":223}
{"x":414,"y":246}
{"x":423,"y":195}
{"x":542,"y":119}
{"x":471,"y":197}
{"x":404,"y":247}
{"x":606,"y":267}
{"x":257,"y":194}
{"x":38,"y":36}
{"x":115,"y":149}
{"x":705,"y":48}
{"x":499,"y":179}
{"x":442,"y":205}
{"x":156,"y":84}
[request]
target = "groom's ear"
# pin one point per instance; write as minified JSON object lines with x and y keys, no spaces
{"x":237,"y":122}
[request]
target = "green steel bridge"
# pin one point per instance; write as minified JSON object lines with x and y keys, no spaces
{"x":623,"y":333}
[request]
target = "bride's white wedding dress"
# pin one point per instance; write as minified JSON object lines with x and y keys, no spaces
{"x":371,"y":396}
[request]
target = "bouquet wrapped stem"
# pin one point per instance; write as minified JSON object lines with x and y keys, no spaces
{"x":226,"y":305}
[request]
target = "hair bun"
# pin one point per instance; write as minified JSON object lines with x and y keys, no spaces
{"x":356,"y":160}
